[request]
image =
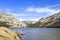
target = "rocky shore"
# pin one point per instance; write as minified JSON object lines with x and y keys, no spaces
{"x":7,"y":34}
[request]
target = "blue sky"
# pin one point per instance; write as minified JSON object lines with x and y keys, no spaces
{"x":30,"y":9}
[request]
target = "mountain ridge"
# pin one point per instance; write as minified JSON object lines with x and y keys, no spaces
{"x":52,"y":21}
{"x":48,"y":22}
{"x":10,"y":20}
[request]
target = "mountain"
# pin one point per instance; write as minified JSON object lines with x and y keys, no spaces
{"x":9,"y":20}
{"x":28,"y":23}
{"x":51,"y":21}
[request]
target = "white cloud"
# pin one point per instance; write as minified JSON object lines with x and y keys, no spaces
{"x":31,"y":19}
{"x":53,"y":6}
{"x":21,"y":19}
{"x":44,"y":10}
{"x":30,"y":9}
{"x":47,"y":9}
{"x":7,"y":10}
{"x":19,"y":15}
{"x":16,"y":14}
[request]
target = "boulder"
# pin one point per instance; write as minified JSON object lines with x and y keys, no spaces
{"x":19,"y":34}
{"x":7,"y":34}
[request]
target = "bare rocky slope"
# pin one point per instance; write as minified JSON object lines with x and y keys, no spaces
{"x":51,"y":21}
{"x":9,"y":20}
{"x":28,"y":23}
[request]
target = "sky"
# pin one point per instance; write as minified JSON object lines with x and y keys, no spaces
{"x":30,"y":9}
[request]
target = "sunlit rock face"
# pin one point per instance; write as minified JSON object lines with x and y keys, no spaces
{"x":29,"y":23}
{"x":7,"y":34}
{"x":10,"y":20}
{"x":51,"y":21}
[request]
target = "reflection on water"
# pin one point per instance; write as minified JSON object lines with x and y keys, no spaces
{"x":39,"y":33}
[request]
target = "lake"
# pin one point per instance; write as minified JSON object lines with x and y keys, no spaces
{"x":39,"y":33}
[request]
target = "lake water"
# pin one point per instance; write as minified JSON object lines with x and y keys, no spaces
{"x":39,"y":33}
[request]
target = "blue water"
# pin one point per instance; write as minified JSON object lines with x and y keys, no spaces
{"x":39,"y":33}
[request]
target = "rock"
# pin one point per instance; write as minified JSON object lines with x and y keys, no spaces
{"x":19,"y":34}
{"x":6,"y":34}
{"x":9,"y":20}
{"x":29,"y":23}
{"x":51,"y":21}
